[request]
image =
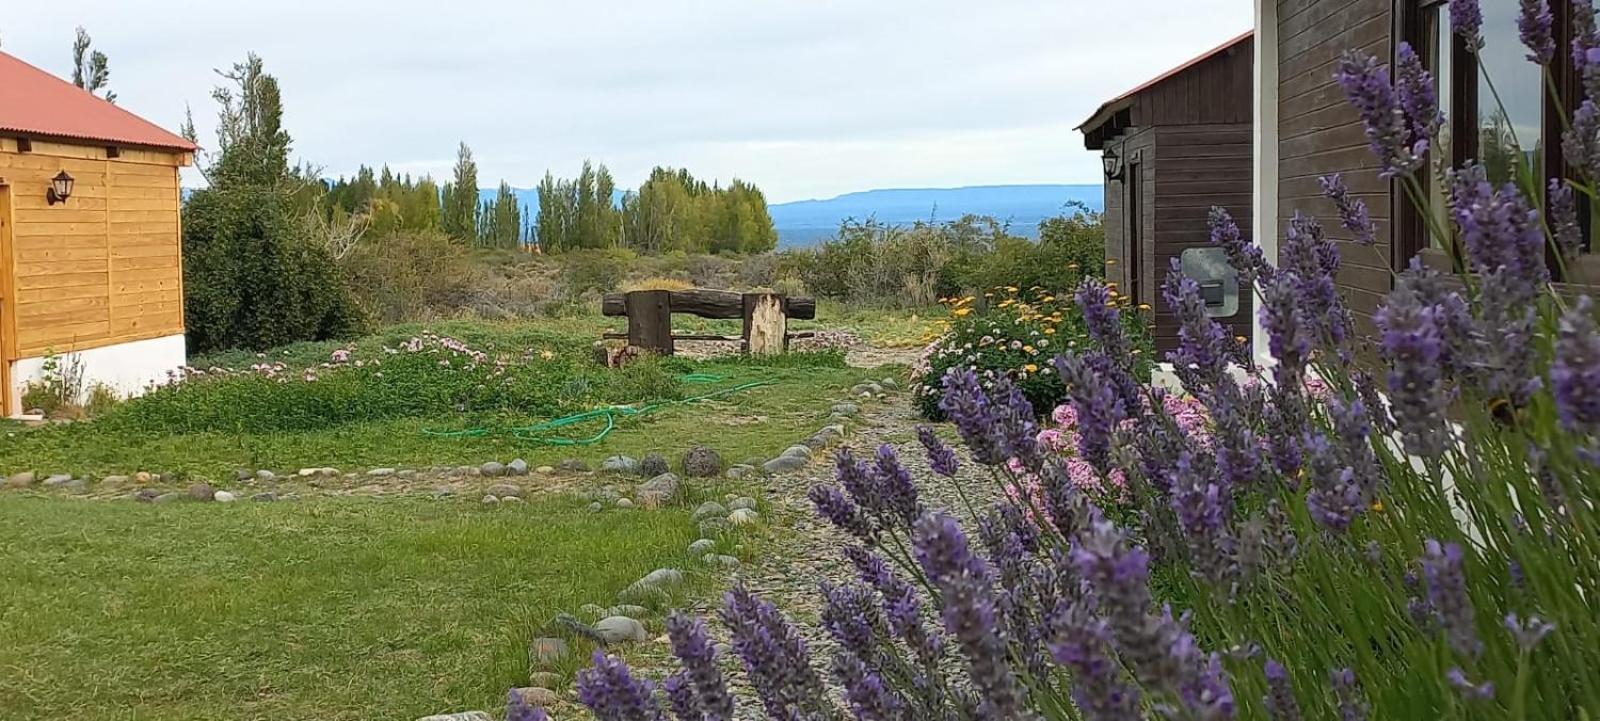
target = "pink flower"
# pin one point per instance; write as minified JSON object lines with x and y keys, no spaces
{"x":341,"y":356}
{"x":1065,"y":416}
{"x":1053,"y":440}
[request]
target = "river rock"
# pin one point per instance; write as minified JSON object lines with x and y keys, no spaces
{"x":490,"y":499}
{"x":620,"y":629}
{"x":545,"y":470}
{"x":224,"y":497}
{"x":743,"y":517}
{"x":57,"y":480}
{"x":517,"y":467}
{"x":143,"y":477}
{"x":243,"y":476}
{"x":20,"y":480}
{"x":381,"y":472}
{"x":146,"y":495}
{"x":504,"y":490}
{"x":547,"y":651}
{"x":702,"y":547}
{"x":702,"y":462}
{"x":656,"y":584}
{"x":620,"y":464}
{"x":167,"y":498}
{"x":784,"y":464}
{"x":492,"y":469}
{"x":267,"y":497}
{"x":743,"y":502}
{"x":740,"y":472}
{"x":112,"y":483}
{"x":890,"y":384}
{"x":459,"y":716}
{"x":798,"y":450}
{"x":596,"y":507}
{"x":653,"y":464}
{"x":709,"y":509}
{"x":721,"y":561}
{"x":593,"y":610}
{"x":202,"y":492}
{"x":575,"y":465}
{"x":846,"y":409}
{"x":536,"y":696}
{"x":265,"y":475}
{"x":659,"y":491}
{"x":624,"y":503}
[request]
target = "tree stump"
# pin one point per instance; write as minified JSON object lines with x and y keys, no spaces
{"x":766,"y":326}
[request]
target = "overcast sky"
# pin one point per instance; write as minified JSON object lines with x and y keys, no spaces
{"x":805,"y":98}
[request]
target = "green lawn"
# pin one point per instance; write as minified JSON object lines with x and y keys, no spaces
{"x":318,"y":609}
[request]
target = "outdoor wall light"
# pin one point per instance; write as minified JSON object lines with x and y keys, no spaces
{"x":60,"y":188}
{"x":1111,"y":163}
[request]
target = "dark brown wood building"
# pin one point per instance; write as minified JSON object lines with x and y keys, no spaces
{"x":1173,"y":148}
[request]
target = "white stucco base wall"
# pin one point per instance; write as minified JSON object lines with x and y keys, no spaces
{"x":128,"y":368}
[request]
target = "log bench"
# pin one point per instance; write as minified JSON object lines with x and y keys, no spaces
{"x":765,"y":315}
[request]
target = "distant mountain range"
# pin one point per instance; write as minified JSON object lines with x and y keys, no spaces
{"x":807,"y":222}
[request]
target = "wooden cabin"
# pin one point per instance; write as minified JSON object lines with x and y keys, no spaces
{"x":1306,"y":128}
{"x":90,"y":240}
{"x":1171,"y":149}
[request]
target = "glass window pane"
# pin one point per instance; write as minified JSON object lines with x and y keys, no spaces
{"x":1435,"y":51}
{"x":1510,"y":99}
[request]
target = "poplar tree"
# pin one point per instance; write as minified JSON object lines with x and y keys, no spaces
{"x":90,"y":68}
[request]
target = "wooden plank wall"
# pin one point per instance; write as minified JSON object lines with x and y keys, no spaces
{"x":1201,"y":166}
{"x":1140,"y":142}
{"x":1319,"y":133}
{"x":105,"y":267}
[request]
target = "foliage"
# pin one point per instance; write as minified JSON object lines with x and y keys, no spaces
{"x":411,"y":275}
{"x":59,"y":389}
{"x":458,"y":215}
{"x":253,"y":277}
{"x":911,"y":266}
{"x":90,"y":68}
{"x":674,"y":211}
{"x":1013,"y":333}
{"x":578,"y":214}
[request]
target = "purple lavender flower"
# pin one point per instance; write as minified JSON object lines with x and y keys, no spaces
{"x":865,"y":690}
{"x":776,"y":658}
{"x":833,"y":506}
{"x":1580,"y":143}
{"x":1280,"y":701}
{"x":1585,"y":42}
{"x":1353,"y":214}
{"x":849,"y":616}
{"x":1082,"y":643}
{"x":1535,"y":26}
{"x":896,"y":490}
{"x":968,"y":610}
{"x":1017,"y":425}
{"x":1447,"y":594}
{"x":1468,"y":689}
{"x":1159,"y":649}
{"x":1243,"y":255}
{"x":1335,"y":498}
{"x":1352,"y":702}
{"x":1575,"y":372}
{"x":1466,"y":20}
{"x":1312,"y":262}
{"x":1204,"y":346}
{"x":1099,"y":411}
{"x":699,"y":659}
{"x":941,"y":458}
{"x":1366,"y":84}
{"x":1564,"y":218}
{"x":1499,"y":228}
{"x":1504,"y":351}
{"x":609,"y":690}
{"x":1101,"y":318}
{"x":681,"y":698}
{"x":1201,"y":507}
{"x":1419,"y":101}
{"x":519,"y":709}
{"x":974,"y":416}
{"x":901,"y":605}
{"x":1413,"y":343}
{"x":1291,"y":336}
{"x":1528,"y":634}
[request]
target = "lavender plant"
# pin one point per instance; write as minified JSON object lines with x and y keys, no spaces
{"x":1342,"y":542}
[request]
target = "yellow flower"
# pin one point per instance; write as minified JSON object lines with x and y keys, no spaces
{"x":1031,"y":368}
{"x":1111,"y":261}
{"x":547,"y":355}
{"x":1073,"y":266}
{"x":1144,"y":306}
{"x":961,"y":312}
{"x":1011,"y":289}
{"x":1049,"y":331}
{"x":1377,"y":506}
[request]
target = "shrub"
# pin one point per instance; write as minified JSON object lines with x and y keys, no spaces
{"x":411,"y":275}
{"x":1013,"y":333}
{"x":601,"y":271}
{"x":58,"y":392}
{"x":252,"y":279}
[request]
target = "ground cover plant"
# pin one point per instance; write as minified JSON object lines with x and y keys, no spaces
{"x":447,"y":393}
{"x":1304,"y":547}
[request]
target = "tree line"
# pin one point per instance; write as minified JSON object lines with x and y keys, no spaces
{"x":671,"y":211}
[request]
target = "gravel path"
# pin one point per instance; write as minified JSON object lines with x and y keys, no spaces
{"x":807,"y":549}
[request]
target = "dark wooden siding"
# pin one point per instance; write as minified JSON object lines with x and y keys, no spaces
{"x":1209,"y":92}
{"x":1201,"y":166}
{"x":1139,"y":146}
{"x":1319,"y":133}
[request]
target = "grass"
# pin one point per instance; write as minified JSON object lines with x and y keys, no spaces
{"x":318,"y":609}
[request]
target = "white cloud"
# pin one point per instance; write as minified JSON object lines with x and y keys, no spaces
{"x":805,"y":98}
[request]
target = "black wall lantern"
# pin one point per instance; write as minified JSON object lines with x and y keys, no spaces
{"x":1111,"y":163}
{"x":60,"y":188}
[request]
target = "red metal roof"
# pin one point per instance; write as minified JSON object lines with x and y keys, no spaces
{"x":34,"y":102}
{"x":1207,"y":55}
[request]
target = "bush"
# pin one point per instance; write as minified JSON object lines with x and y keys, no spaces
{"x":252,"y":279}
{"x":412,"y":275}
{"x":1013,"y":333}
{"x":594,"y":271}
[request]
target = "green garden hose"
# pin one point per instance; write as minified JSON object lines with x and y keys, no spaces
{"x":537,"y":432}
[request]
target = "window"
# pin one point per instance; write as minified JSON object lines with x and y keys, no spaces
{"x":1502,"y":117}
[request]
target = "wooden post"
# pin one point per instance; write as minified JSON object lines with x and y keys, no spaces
{"x":766,"y":328}
{"x":649,"y":320}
